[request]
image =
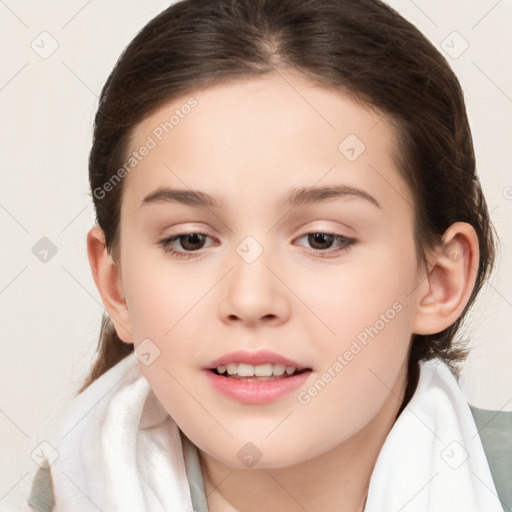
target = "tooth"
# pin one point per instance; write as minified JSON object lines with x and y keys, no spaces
{"x":263,"y":370}
{"x":278,"y":369}
{"x":245,"y":370}
{"x":232,"y":368}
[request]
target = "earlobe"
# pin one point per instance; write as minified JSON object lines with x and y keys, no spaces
{"x":450,"y":280}
{"x":108,"y":280}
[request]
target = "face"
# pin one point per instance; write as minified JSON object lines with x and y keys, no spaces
{"x":324,"y":284}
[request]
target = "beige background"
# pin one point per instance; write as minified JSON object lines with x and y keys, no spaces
{"x":50,"y":312}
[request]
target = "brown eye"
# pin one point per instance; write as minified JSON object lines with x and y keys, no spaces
{"x":189,"y":242}
{"x":322,"y":241}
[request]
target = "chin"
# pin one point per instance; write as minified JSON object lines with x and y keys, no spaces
{"x":240,"y":454}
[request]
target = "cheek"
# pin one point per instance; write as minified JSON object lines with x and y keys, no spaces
{"x":361,"y":297}
{"x":161,"y":297}
{"x":361,"y":362}
{"x":369,"y":316}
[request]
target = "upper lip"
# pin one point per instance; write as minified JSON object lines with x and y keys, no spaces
{"x":254,"y":358}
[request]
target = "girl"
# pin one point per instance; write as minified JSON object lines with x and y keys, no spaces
{"x":290,"y":232}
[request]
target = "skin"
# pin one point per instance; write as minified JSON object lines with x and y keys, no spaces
{"x":235,"y":142}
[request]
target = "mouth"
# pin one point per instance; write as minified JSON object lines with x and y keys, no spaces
{"x":256,"y":377}
{"x":256,"y":389}
{"x":261,"y":365}
{"x":262,"y":372}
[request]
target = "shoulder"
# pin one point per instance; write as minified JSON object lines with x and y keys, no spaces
{"x":495,"y":431}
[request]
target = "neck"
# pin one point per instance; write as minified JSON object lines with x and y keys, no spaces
{"x":335,"y":481}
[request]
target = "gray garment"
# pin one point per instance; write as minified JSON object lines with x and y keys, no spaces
{"x":194,"y":475}
{"x":495,"y":430}
{"x":494,"y":427}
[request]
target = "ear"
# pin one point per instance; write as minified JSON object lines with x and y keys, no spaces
{"x":107,"y":276}
{"x":450,"y":280}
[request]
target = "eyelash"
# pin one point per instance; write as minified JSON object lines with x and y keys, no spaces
{"x":165,"y":243}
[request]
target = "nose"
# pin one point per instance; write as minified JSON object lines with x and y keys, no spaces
{"x":253,"y":292}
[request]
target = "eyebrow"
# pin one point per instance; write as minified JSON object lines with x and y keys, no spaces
{"x":298,"y":196}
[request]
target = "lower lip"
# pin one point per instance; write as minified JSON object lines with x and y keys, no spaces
{"x":256,"y":391}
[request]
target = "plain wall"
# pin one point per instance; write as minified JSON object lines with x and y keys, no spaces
{"x":51,"y":311}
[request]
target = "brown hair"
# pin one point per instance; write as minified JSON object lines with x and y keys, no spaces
{"x":361,"y":47}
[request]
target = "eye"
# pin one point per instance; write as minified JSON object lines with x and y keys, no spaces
{"x":323,"y":241}
{"x":189,"y":242}
{"x":193,"y":242}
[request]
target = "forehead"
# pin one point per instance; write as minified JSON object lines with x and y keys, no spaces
{"x":283,"y":103}
{"x":271,"y":133}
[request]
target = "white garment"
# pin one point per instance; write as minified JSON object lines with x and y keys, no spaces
{"x":433,"y":459}
{"x":119,"y":450}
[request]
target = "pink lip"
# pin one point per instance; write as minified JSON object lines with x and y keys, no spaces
{"x":254,"y":358}
{"x":253,"y":391}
